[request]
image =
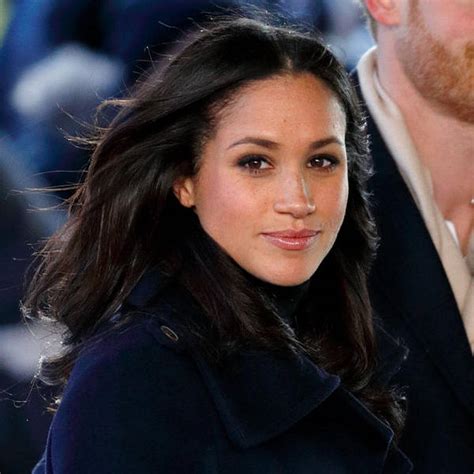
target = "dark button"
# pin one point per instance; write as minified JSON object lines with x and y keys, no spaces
{"x":169,"y":333}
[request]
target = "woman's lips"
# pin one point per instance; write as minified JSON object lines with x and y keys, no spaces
{"x":291,"y":240}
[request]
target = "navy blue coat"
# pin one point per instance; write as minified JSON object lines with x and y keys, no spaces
{"x":142,"y":400}
{"x":413,"y":297}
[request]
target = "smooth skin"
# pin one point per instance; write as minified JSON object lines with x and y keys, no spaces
{"x":276,"y":163}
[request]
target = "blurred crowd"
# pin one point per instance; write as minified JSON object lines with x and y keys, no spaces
{"x":58,"y":60}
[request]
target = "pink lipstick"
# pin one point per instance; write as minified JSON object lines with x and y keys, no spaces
{"x":292,"y":240}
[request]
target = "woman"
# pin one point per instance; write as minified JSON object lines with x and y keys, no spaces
{"x":212,"y":276}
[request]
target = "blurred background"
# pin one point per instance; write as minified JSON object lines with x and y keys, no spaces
{"x":58,"y":60}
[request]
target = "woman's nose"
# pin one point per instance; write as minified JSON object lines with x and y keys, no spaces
{"x":294,"y":197}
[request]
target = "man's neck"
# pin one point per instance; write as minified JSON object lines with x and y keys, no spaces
{"x":444,"y":144}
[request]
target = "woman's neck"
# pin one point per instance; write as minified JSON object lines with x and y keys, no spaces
{"x":285,"y":299}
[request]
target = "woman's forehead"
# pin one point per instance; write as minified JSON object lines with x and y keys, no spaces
{"x":283,"y":102}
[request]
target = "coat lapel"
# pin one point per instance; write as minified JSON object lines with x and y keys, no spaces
{"x":259,"y":395}
{"x":410,"y":277}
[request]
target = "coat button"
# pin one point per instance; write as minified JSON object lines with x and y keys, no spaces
{"x":169,"y":333}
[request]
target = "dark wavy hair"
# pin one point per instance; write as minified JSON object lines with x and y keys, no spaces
{"x":124,"y":217}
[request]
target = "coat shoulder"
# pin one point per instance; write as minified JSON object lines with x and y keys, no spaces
{"x":134,"y":402}
{"x":128,"y":349}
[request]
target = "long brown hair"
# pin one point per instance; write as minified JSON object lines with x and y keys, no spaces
{"x":124,"y":218}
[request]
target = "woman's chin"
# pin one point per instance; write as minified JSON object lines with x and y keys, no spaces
{"x":284,"y":279}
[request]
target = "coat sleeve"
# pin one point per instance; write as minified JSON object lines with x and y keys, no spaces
{"x":133,"y":407}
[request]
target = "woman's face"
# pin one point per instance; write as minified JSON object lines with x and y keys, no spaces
{"x":272,"y":184}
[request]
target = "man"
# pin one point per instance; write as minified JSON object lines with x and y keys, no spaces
{"x":418,"y":87}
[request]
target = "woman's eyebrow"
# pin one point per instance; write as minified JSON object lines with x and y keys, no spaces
{"x":255,"y":141}
{"x":273,"y":145}
{"x":326,"y":141}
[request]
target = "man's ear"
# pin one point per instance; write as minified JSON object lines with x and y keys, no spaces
{"x":183,"y":189}
{"x":385,"y":12}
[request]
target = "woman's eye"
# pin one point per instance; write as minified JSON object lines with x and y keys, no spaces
{"x":325,"y":162}
{"x":254,"y":163}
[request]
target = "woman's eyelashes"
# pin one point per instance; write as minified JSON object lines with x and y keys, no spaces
{"x":255,"y":164}
{"x":324,"y":162}
{"x":258,"y":164}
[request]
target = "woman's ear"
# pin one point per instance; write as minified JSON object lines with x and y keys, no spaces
{"x":183,"y":189}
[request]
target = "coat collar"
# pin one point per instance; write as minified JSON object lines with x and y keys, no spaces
{"x":257,"y":394}
{"x":410,"y":277}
